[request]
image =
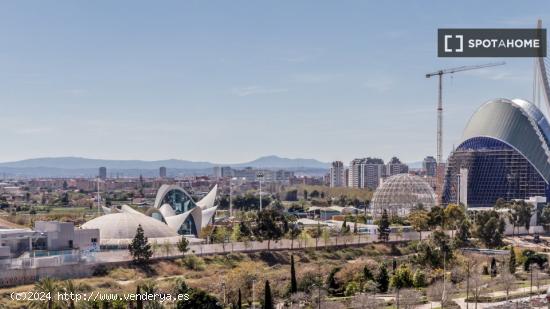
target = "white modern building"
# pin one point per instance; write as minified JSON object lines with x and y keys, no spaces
{"x":174,"y":214}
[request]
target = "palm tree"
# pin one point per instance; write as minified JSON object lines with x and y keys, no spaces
{"x":47,"y":286}
{"x":70,"y":288}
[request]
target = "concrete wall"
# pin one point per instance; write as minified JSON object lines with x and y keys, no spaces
{"x":83,"y":238}
{"x":13,"y":277}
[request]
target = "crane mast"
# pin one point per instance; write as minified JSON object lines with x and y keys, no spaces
{"x":440,"y":74}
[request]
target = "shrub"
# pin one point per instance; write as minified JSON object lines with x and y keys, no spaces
{"x":351,"y":288}
{"x":419,"y":279}
{"x":100,"y":270}
{"x":194,"y":262}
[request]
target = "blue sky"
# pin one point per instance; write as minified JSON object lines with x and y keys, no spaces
{"x":228,"y":81}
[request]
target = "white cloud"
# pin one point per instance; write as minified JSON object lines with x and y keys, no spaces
{"x":254,"y":90}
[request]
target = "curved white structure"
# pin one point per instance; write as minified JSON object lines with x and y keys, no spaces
{"x":128,"y":209}
{"x":120,"y":228}
{"x":175,"y":213}
{"x":504,"y":154}
{"x":208,"y":201}
{"x":166,"y":210}
{"x":181,"y":212}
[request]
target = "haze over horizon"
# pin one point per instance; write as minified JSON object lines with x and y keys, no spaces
{"x":229,"y":82}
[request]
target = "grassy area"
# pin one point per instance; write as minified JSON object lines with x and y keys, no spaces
{"x":235,"y":270}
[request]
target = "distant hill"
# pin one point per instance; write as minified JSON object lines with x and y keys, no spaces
{"x":84,"y":167}
{"x":278,"y":162}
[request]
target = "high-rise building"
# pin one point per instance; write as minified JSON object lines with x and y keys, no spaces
{"x":103,"y":173}
{"x":337,"y":175}
{"x":429,"y":166}
{"x":162,"y":172}
{"x":373,"y":171}
{"x":366,"y":173}
{"x":217,"y":171}
{"x":395,"y":167}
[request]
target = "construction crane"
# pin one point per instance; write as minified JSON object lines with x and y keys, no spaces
{"x":440,"y":73}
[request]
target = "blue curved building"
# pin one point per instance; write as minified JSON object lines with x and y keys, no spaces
{"x":505,"y":151}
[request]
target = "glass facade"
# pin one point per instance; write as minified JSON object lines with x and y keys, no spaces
{"x":181,"y":203}
{"x":495,"y":170}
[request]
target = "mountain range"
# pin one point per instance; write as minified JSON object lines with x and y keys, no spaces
{"x":85,"y":167}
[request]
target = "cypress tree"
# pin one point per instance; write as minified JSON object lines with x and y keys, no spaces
{"x":383,"y":279}
{"x":344,"y":226}
{"x":512,"y":264}
{"x":268,"y":300}
{"x":384,"y":227}
{"x":139,"y":301}
{"x":240,"y":301}
{"x":293,"y":282}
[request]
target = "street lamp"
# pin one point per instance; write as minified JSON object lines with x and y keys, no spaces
{"x":260,"y":176}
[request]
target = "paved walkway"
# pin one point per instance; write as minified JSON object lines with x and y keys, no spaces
{"x":254,"y":246}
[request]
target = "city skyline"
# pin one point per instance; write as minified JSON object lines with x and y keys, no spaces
{"x":241,"y":82}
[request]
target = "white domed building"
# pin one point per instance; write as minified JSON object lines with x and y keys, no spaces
{"x":174,"y":214}
{"x":401,"y":193}
{"x":118,"y":229}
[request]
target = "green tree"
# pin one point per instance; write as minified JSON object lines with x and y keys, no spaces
{"x":344,"y":228}
{"x":268,"y":300}
{"x":436,"y":217}
{"x":270,"y":226}
{"x":525,"y":212}
{"x":183,"y":245}
{"x":367,"y":274}
{"x":383,"y":278}
{"x":293,"y":282}
{"x":140,"y":248}
{"x":239,"y":301}
{"x":384,"y":227}
{"x":454,"y":214}
{"x":139,"y":301}
{"x":419,"y":279}
{"x":512,"y":262}
{"x":545,"y":215}
{"x":463,"y":234}
{"x":293,"y":233}
{"x":419,"y":221}
{"x":196,"y":298}
{"x":402,"y":278}
{"x":489,"y":228}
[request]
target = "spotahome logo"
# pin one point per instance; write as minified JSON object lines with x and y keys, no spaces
{"x":491,"y":42}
